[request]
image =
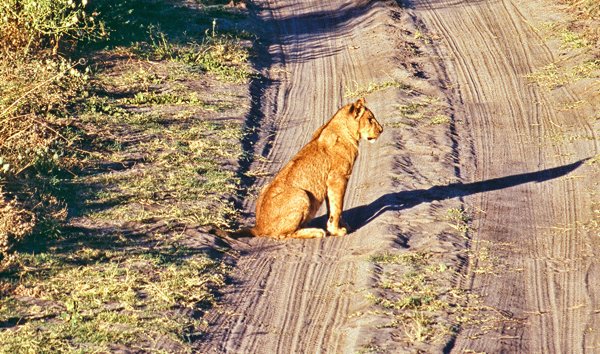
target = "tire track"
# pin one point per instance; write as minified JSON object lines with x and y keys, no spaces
{"x":545,"y":277}
{"x":300,"y":296}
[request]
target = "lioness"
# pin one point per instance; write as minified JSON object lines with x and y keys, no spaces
{"x":320,"y":171}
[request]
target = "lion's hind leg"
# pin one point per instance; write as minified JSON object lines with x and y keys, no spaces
{"x":308,"y":232}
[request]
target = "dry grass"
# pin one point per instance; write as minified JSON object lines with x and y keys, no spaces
{"x":415,"y":296}
{"x":140,"y":149}
{"x":551,"y":76}
{"x":421,"y":109}
{"x":418,"y":295}
{"x":37,"y":142}
{"x":358,"y":90}
{"x":586,"y":9}
{"x":34,"y":113}
{"x":584,"y":26}
{"x":15,"y":224}
{"x":110,"y":298}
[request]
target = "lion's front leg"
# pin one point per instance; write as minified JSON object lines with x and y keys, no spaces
{"x":335,"y":200}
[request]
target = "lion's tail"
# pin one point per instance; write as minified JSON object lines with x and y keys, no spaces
{"x":243,"y":233}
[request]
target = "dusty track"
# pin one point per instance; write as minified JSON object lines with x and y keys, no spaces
{"x":547,"y":272}
{"x":308,"y":296}
{"x":298,"y":296}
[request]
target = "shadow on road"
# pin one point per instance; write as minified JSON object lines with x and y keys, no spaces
{"x":362,"y":215}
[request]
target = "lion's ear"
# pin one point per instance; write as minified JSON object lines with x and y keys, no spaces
{"x":358,"y":108}
{"x":359,"y":103}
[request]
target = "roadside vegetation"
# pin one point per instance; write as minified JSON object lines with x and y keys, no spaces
{"x":425,"y":305}
{"x":578,"y":41}
{"x":37,"y":139}
{"x":120,"y":129}
{"x":422,"y":296}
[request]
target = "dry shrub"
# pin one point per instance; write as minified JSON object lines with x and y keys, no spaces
{"x":34,"y":113}
{"x":38,"y":87}
{"x":15,"y":224}
{"x":587,"y":9}
{"x":32,"y":25}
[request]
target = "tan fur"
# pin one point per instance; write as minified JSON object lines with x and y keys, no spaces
{"x":319,"y":172}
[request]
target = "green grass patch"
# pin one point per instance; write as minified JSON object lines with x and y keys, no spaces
{"x":111,"y":298}
{"x":183,"y":178}
{"x":419,"y":110}
{"x":185,"y":98}
{"x":551,"y":76}
{"x":221,"y":55}
{"x":419,"y":296}
{"x":362,"y":90}
{"x":573,"y":40}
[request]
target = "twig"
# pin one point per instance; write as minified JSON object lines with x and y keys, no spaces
{"x":53,"y":130}
{"x":6,"y":111}
{"x":88,"y":152}
{"x":16,"y":134}
{"x":23,"y":168}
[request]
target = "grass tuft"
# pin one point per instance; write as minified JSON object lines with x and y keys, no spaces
{"x":459,"y":219}
{"x":422,"y":109}
{"x":423,"y":302}
{"x":107,"y":172}
{"x":114,"y":298}
{"x":551,"y":76}
{"x":360,"y":91}
{"x":414,"y":296}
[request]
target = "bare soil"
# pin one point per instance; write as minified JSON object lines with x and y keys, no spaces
{"x":510,"y":155}
{"x":542,"y":230}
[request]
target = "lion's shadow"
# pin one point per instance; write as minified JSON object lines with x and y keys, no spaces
{"x":360,"y":216}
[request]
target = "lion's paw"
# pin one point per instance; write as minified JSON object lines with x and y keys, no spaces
{"x":342,"y":231}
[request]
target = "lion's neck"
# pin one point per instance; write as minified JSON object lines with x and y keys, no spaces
{"x":335,"y":134}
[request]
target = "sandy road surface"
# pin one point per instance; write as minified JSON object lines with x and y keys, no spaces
{"x":547,"y":270}
{"x":299,"y":296}
{"x":531,"y":195}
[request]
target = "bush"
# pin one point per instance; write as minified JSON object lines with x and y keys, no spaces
{"x":34,"y":112}
{"x":32,"y":25}
{"x":38,"y":85}
{"x":15,"y":224}
{"x":587,"y":9}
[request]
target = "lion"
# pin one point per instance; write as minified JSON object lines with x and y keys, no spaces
{"x":319,"y":172}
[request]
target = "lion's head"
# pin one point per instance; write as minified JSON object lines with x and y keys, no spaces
{"x":368,"y":128}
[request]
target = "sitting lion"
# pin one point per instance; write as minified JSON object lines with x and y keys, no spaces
{"x":320,"y":171}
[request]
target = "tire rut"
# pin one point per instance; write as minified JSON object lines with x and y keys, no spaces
{"x":299,"y":296}
{"x":545,"y":258}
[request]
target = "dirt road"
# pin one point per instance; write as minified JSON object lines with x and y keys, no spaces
{"x":310,"y":296}
{"x":546,"y":274}
{"x":299,"y":296}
